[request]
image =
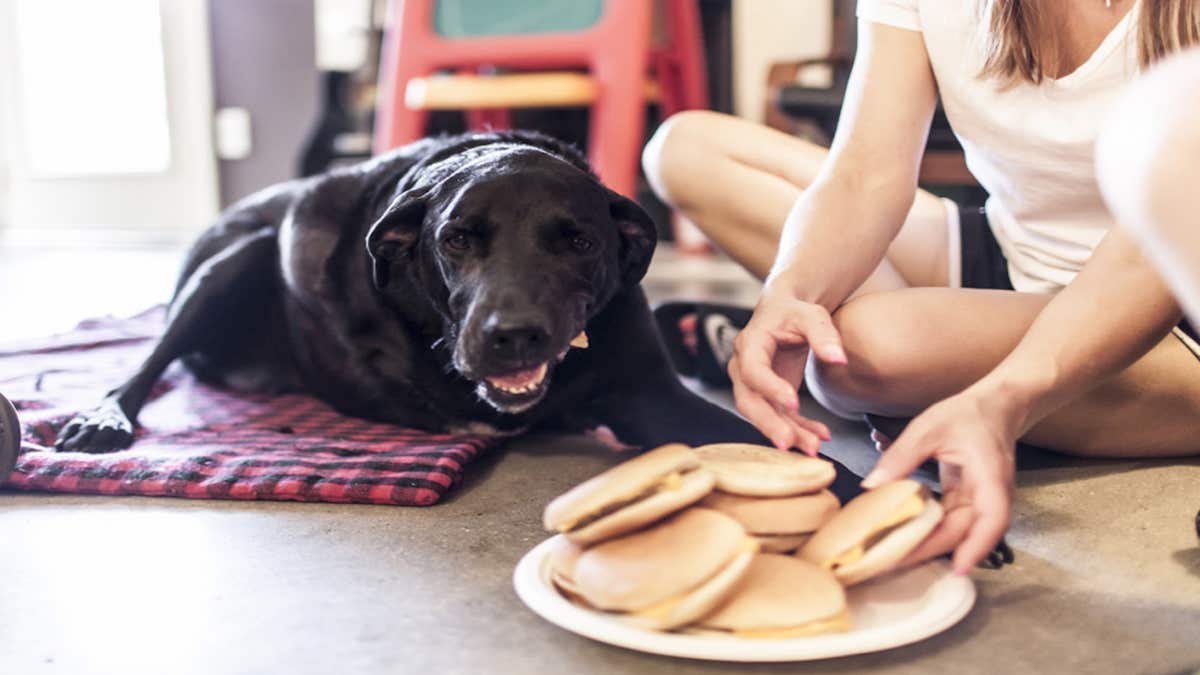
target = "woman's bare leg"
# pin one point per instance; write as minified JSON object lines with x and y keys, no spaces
{"x":910,"y":348}
{"x":737,"y":181}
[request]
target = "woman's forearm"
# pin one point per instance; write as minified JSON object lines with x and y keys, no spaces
{"x":833,"y":238}
{"x":840,"y":228}
{"x":1115,"y":311}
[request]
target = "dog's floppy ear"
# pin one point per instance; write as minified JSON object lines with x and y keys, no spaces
{"x":393,"y":235}
{"x":638,"y":237}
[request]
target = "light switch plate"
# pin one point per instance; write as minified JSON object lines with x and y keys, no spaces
{"x":232,"y":133}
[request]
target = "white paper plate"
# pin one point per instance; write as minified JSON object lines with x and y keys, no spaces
{"x":895,"y":610}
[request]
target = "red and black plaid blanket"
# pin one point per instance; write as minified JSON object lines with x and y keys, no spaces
{"x":200,"y":442}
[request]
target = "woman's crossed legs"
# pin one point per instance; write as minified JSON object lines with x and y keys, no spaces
{"x":911,"y":340}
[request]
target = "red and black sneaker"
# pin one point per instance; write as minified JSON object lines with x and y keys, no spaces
{"x":699,"y":337}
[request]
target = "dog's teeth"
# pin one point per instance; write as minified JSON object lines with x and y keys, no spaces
{"x":535,"y":380}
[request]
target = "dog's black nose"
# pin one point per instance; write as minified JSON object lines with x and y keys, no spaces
{"x":516,"y":342}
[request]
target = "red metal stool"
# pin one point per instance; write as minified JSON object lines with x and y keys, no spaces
{"x":614,"y":55}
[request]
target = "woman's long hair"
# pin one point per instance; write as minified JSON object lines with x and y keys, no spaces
{"x":1021,"y":41}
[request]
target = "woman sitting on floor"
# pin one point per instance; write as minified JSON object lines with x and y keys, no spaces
{"x":1032,"y":319}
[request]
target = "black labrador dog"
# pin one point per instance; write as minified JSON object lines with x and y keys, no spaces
{"x":439,"y":286}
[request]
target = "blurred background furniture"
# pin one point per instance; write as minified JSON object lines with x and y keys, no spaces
{"x":347,"y":37}
{"x":487,"y":58}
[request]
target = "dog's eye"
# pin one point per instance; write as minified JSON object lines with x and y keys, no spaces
{"x":457,"y":242}
{"x":581,"y":244}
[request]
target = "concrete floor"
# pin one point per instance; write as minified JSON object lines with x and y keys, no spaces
{"x":1107,"y":577}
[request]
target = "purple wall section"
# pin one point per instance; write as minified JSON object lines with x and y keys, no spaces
{"x":263,"y":55}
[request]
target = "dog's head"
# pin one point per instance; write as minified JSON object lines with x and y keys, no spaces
{"x":517,"y":247}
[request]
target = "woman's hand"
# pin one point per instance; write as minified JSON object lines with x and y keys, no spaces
{"x":768,"y":366}
{"x":973,"y":437}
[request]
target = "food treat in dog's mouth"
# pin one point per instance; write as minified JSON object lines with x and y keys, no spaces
{"x":578,"y":342}
{"x":520,"y":382}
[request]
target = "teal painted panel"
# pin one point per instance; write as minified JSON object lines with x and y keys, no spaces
{"x":478,"y":18}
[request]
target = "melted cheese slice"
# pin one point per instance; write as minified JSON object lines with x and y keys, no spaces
{"x":836,"y":623}
{"x":848,"y":558}
{"x":908,"y":509}
{"x":661,"y":610}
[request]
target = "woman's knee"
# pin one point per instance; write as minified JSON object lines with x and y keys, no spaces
{"x":671,"y":155}
{"x":874,"y":364}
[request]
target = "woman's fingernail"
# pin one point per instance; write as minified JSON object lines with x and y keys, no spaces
{"x":838,"y":354}
{"x":873,"y":479}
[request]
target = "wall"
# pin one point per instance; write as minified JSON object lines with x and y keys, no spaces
{"x":264,"y":60}
{"x":766,"y":31}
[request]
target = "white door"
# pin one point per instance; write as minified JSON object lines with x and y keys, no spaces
{"x":105,"y":120}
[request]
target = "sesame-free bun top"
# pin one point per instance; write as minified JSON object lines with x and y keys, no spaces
{"x":782,"y":596}
{"x":760,"y":471}
{"x":870,"y":519}
{"x":660,"y":563}
{"x":632,"y":494}
{"x":776,"y":515}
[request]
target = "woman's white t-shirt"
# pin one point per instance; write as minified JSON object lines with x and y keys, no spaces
{"x":1030,"y":146}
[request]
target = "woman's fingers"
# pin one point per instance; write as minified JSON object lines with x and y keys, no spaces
{"x":767,"y":367}
{"x":816,"y":427}
{"x":786,"y":428}
{"x":944,"y":538}
{"x":902,"y":458}
{"x":765,"y":417}
{"x":753,"y":365}
{"x":805,"y":440}
{"x":991,"y":501}
{"x":821,"y":336}
{"x":810,"y":432}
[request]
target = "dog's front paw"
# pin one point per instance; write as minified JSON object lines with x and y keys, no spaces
{"x":105,"y":429}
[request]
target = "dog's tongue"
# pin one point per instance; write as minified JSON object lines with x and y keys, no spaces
{"x":520,"y":379}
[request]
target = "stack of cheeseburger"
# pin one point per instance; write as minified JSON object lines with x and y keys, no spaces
{"x":733,"y":538}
